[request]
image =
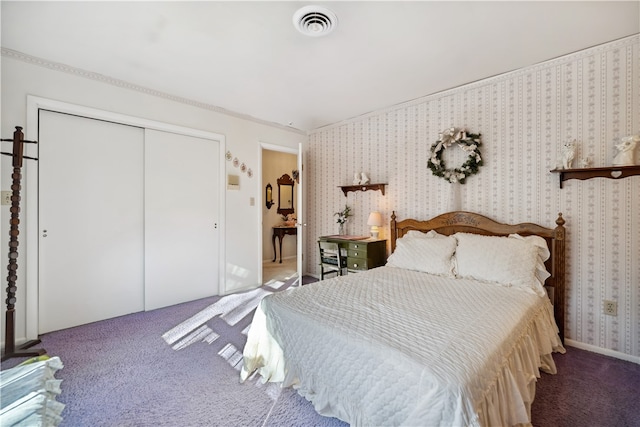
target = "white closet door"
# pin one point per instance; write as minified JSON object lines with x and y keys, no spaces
{"x":181,"y":215}
{"x":90,"y":220}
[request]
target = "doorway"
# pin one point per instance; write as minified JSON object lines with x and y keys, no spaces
{"x":279,"y":265}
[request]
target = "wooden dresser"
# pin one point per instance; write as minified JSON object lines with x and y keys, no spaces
{"x":362,"y":254}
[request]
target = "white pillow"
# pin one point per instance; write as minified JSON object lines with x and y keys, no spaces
{"x":429,"y":255}
{"x":510,"y":261}
{"x":543,"y":254}
{"x":420,"y":235}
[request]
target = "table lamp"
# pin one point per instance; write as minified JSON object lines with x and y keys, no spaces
{"x":375,"y":221}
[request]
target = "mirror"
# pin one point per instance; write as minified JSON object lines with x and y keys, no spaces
{"x":285,"y":195}
{"x":268,"y":197}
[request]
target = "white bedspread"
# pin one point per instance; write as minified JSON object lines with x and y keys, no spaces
{"x":396,"y":347}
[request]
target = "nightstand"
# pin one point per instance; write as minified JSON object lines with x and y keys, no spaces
{"x":362,"y":253}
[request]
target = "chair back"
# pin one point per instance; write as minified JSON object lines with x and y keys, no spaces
{"x":331,"y":258}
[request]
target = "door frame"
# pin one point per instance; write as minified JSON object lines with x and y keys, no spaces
{"x":36,"y":103}
{"x":299,"y":206}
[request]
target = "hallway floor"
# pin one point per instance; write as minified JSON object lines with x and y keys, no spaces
{"x":277,"y":271}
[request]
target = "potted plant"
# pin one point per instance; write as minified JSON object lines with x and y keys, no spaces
{"x":343,"y":216}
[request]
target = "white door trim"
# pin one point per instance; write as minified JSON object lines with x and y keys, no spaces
{"x":302,"y":219}
{"x":30,"y":171}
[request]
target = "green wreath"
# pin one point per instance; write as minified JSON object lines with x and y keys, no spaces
{"x":469,"y":142}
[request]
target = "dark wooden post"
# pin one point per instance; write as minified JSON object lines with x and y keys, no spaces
{"x":559,"y":266}
{"x":9,"y":346}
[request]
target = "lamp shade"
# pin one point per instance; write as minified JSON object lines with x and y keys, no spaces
{"x":375,"y":219}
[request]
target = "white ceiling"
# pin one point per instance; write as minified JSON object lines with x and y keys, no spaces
{"x":247,"y":57}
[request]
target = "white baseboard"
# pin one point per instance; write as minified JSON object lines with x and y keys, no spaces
{"x":600,"y":350}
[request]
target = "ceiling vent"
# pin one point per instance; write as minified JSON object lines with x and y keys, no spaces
{"x":314,"y":21}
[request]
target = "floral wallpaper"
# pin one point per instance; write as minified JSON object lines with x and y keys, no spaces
{"x":524,"y":117}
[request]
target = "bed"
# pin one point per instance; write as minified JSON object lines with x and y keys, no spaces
{"x":454,"y":330}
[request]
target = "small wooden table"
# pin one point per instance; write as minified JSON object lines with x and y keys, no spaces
{"x":280,"y":232}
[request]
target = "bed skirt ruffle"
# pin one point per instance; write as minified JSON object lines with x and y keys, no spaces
{"x":516,"y":381}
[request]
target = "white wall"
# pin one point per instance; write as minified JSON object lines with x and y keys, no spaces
{"x":524,"y":118}
{"x":24,"y":75}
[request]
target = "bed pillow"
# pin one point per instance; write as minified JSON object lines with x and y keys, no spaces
{"x":429,"y":255}
{"x":420,"y":235}
{"x":510,"y":261}
{"x":543,"y":254}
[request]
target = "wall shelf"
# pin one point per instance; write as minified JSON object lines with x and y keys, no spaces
{"x":611,"y":172}
{"x":362,"y":187}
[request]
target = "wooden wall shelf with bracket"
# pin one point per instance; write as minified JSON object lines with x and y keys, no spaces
{"x":362,"y":187}
{"x":611,"y":172}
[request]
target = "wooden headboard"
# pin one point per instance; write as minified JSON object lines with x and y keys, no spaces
{"x":468,"y":222}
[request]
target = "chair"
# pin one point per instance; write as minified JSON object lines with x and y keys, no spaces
{"x":331,"y":259}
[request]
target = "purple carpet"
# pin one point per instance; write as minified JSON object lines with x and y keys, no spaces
{"x":122,"y":372}
{"x":589,"y":390}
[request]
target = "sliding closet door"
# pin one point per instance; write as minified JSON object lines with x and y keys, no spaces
{"x":90,"y":220}
{"x":181,"y":218}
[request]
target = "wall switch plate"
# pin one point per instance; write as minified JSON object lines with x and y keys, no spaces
{"x":6,"y":197}
{"x":610,"y":307}
{"x":252,"y":201}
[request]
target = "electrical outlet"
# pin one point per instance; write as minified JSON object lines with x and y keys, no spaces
{"x":610,"y":307}
{"x":6,"y":197}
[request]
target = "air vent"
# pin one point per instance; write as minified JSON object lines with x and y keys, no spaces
{"x":314,"y":21}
